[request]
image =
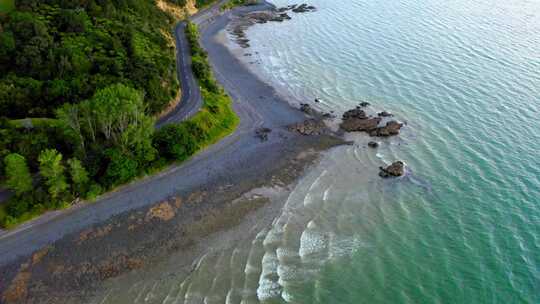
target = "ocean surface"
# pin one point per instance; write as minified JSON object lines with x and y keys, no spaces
{"x":463,"y":225}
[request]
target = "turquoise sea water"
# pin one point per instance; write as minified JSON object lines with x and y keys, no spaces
{"x":462,"y":227}
{"x":465,"y":75}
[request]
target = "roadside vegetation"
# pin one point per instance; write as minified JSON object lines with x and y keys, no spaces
{"x":95,"y":75}
{"x":233,"y":3}
{"x":6,"y":6}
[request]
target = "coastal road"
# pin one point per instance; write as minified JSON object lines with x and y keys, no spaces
{"x":191,"y":100}
{"x":238,"y":157}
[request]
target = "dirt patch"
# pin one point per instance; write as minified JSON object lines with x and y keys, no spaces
{"x":89,"y":234}
{"x":196,"y":197}
{"x":39,"y":255}
{"x":163,"y":211}
{"x":176,"y":11}
{"x":18,"y":289}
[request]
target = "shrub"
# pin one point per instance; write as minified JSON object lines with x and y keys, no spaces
{"x":175,"y":142}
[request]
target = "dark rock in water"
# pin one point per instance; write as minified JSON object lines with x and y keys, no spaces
{"x":306,"y":108}
{"x":364,"y":104}
{"x":355,"y":113}
{"x":262,"y":133}
{"x":357,"y":120}
{"x":308,"y":127}
{"x":373,"y":144}
{"x":391,"y":128}
{"x":360,"y":124}
{"x":394,"y":170}
{"x":302,"y":8}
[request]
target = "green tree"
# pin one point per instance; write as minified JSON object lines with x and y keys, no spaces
{"x":17,"y":173}
{"x":175,"y":142}
{"x":79,"y":176}
{"x":52,"y":169}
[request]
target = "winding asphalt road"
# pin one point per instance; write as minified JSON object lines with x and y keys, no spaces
{"x":190,"y":103}
{"x":191,"y":100}
{"x":227,"y":162}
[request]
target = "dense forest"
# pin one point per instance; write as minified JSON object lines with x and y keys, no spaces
{"x":81,"y":83}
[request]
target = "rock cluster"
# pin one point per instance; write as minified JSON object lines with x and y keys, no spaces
{"x":356,"y":120}
{"x":298,"y":8}
{"x":239,"y":25}
{"x":395,"y":169}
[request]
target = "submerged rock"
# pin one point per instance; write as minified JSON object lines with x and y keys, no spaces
{"x":364,"y":104}
{"x":394,"y":170}
{"x":373,"y":144}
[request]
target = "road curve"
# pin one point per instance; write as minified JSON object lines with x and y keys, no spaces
{"x":191,"y":100}
{"x":190,"y":103}
{"x":227,"y":162}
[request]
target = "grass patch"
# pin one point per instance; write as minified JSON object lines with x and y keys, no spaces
{"x":3,"y":213}
{"x":233,"y":3}
{"x":33,"y":122}
{"x":7,"y":6}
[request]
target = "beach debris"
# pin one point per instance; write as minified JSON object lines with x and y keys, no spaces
{"x":394,"y":170}
{"x":373,"y":144}
{"x":308,"y":127}
{"x":262,"y":133}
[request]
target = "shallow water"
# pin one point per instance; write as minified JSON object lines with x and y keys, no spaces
{"x":463,"y":226}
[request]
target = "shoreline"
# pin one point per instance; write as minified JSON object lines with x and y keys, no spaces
{"x":149,"y":220}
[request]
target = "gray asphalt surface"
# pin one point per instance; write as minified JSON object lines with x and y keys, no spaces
{"x":190,"y":101}
{"x":240,"y":156}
